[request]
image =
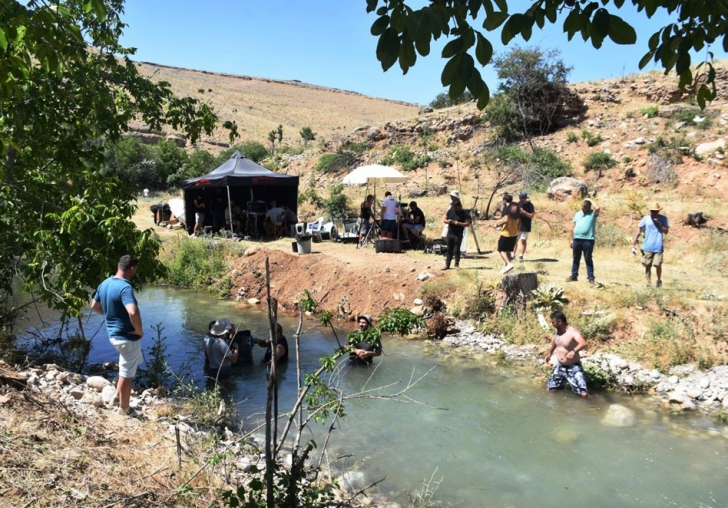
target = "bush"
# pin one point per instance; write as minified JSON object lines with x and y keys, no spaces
{"x":194,"y":264}
{"x":572,"y":137}
{"x":502,"y":114}
{"x":443,"y":100}
{"x":337,"y":206}
{"x":690,"y":114}
{"x":357,"y":148}
{"x":590,"y":139}
{"x":650,"y":111}
{"x":538,"y":167}
{"x":333,"y":162}
{"x":599,"y":161}
{"x":405,"y":158}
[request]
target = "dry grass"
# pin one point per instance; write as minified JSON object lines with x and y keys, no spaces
{"x":56,"y":455}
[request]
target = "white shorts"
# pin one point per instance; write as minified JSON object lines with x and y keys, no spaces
{"x":523,"y":235}
{"x":130,"y":356}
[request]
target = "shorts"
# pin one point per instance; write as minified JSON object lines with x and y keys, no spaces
{"x":390,"y":226}
{"x":199,"y":217}
{"x":130,"y":356}
{"x":523,"y":235}
{"x":574,"y":374}
{"x":651,"y":258}
{"x":418,"y":228}
{"x":507,"y":243}
{"x":364,"y":226}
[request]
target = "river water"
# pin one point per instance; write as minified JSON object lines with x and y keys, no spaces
{"x":485,"y":435}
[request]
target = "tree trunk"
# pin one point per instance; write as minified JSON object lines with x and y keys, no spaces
{"x":516,"y":290}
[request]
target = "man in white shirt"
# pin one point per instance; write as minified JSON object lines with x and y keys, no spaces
{"x":390,"y":211}
{"x":273,"y":216}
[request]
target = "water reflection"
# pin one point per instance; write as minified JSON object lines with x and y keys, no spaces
{"x":495,"y":436}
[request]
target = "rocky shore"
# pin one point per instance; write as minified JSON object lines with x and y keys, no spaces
{"x":683,"y":388}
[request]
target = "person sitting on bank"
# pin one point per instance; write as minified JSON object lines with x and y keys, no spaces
{"x":364,"y":352}
{"x":220,"y":352}
{"x":236,"y":219}
{"x":273,"y":217}
{"x":281,"y":347}
{"x":415,"y":223}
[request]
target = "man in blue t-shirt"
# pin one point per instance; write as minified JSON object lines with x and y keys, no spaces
{"x":582,"y":239}
{"x":114,"y":299}
{"x":654,"y":226}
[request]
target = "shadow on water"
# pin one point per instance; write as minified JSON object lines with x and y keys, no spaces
{"x":499,"y":438}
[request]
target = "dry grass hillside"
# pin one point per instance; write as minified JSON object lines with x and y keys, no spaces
{"x":259,"y":105}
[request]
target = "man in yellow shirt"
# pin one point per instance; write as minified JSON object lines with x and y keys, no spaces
{"x":509,"y":225}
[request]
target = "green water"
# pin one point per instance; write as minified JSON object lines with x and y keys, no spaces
{"x":492,"y":436}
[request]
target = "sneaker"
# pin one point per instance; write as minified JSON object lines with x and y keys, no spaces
{"x":592,"y":281}
{"x":445,"y":268}
{"x":507,"y":268}
{"x":571,"y":278}
{"x":457,"y":267}
{"x":520,"y":258}
{"x":125,"y":412}
{"x":659,"y":284}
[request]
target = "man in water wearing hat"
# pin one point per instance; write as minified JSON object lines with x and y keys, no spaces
{"x":527,"y":211}
{"x":364,"y":352}
{"x":220,"y":352}
{"x":654,"y":226}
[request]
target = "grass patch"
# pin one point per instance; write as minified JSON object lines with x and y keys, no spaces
{"x":333,"y":162}
{"x":599,"y":161}
{"x":405,"y":158}
{"x":193,"y":263}
{"x":650,"y":111}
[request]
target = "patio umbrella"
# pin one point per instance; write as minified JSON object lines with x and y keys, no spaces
{"x":374,"y":174}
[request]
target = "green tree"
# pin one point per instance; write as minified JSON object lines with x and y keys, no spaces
{"x":443,"y":100}
{"x":534,"y":82}
{"x":67,"y":85}
{"x":403,"y":32}
{"x":308,"y":135}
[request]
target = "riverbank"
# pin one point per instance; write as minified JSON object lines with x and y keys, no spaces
{"x":683,"y":388}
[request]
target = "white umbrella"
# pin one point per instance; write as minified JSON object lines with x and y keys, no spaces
{"x":374,"y":174}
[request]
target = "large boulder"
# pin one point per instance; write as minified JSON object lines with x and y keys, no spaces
{"x":565,"y":187}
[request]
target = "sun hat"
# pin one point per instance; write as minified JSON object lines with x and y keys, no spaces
{"x":455,"y":194}
{"x":655,"y":207}
{"x":221,"y":327}
{"x":365,"y":317}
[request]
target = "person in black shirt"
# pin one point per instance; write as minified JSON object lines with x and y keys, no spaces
{"x":365,"y":216}
{"x":281,"y":347}
{"x":415,"y":223}
{"x":365,"y":352}
{"x":457,"y":220}
{"x":527,"y":212}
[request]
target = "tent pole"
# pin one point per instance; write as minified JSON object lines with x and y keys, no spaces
{"x":230,"y":211}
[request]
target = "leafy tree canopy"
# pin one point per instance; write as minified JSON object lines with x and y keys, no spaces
{"x":67,"y":88}
{"x":404,"y":32}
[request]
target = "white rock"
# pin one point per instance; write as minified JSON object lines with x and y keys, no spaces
{"x":639,"y":141}
{"x":77,"y":392}
{"x":243,"y":464}
{"x":710,"y":147}
{"x":673,"y":379}
{"x":253,"y":301}
{"x":705,"y":383}
{"x":618,"y":416}
{"x":107,"y":394}
{"x":97,"y":382}
{"x":655,"y":374}
{"x":417,"y":310}
{"x":418,"y":301}
{"x":694,"y":393}
{"x":424,"y":276}
{"x":93,"y":399}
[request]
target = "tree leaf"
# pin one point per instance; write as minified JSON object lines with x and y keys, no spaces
{"x":371,"y":5}
{"x":379,"y":26}
{"x":453,"y":48}
{"x":600,"y":23}
{"x":484,"y":98}
{"x":646,"y":59}
{"x":449,"y":72}
{"x":483,"y":50}
{"x":3,"y":40}
{"x":388,"y":48}
{"x":513,"y":26}
{"x":620,"y":31}
{"x":494,"y":20}
{"x":423,"y":46}
{"x":418,"y":25}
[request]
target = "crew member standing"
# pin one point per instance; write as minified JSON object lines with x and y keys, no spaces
{"x":655,"y":227}
{"x":527,"y":211}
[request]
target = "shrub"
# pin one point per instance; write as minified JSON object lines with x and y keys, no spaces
{"x":337,"y":206}
{"x":399,"y":321}
{"x":571,"y":137}
{"x":357,"y":148}
{"x":537,"y":168}
{"x":591,"y":140}
{"x":689,"y":115}
{"x":443,"y":100}
{"x":333,"y":162}
{"x":194,"y":263}
{"x":599,"y":161}
{"x":650,"y":111}
{"x":502,"y":114}
{"x":405,"y":158}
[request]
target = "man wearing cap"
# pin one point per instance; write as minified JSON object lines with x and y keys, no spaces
{"x":364,"y":352}
{"x":115,"y":300}
{"x":220,"y":351}
{"x":582,"y":240}
{"x":654,"y":226}
{"x":527,"y":211}
{"x":456,"y":220}
{"x":390,"y":211}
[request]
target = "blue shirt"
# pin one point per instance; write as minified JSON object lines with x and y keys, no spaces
{"x":653,"y":237}
{"x":113,"y":294}
{"x":585,"y":225}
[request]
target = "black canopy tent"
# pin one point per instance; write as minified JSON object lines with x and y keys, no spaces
{"x":246,"y":183}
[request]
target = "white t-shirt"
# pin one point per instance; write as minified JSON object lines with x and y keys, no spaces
{"x":390,"y":206}
{"x":275,"y":214}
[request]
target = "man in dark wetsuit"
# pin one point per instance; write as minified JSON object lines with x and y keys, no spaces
{"x":281,"y":347}
{"x":567,"y":343}
{"x":457,"y":220}
{"x":364,"y":352}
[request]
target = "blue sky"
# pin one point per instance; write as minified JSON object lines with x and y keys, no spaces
{"x":328,"y":43}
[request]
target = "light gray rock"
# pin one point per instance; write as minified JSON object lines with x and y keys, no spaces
{"x":77,"y":392}
{"x":564,"y":188}
{"x":97,"y":382}
{"x":710,"y":147}
{"x":108,"y":394}
{"x":253,"y":301}
{"x":93,"y":399}
{"x":619,"y":416}
{"x":705,"y":383}
{"x":418,"y":301}
{"x":655,"y":374}
{"x":424,"y":276}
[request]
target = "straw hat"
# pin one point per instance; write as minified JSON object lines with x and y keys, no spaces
{"x":655,"y":207}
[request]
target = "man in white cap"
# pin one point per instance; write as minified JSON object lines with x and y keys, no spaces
{"x":654,"y":226}
{"x":220,"y":352}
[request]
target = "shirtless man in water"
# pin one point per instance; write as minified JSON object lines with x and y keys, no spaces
{"x":566,"y":344}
